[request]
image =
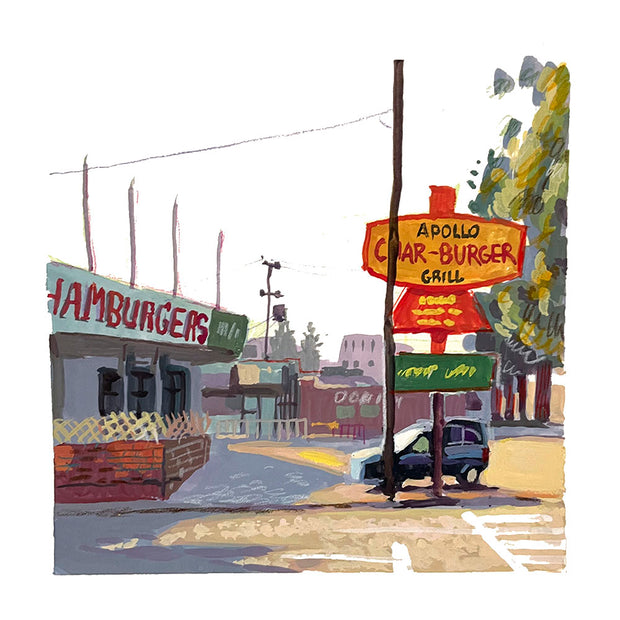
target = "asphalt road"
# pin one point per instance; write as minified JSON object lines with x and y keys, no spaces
{"x":116,"y":537}
{"x":235,"y":479}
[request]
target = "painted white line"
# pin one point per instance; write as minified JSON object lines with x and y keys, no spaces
{"x":443,"y":531}
{"x":507,"y":530}
{"x":534,"y":544}
{"x":489,"y":538}
{"x":522,"y":518}
{"x":402,"y":558}
{"x":530,"y":559}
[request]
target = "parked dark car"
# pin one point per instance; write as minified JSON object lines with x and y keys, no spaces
{"x":465,"y":453}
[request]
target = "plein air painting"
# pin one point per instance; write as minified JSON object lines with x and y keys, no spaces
{"x":244,"y":391}
{"x":304,"y":310}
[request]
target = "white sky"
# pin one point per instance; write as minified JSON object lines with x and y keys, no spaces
{"x":123,"y":90}
{"x":121,"y":80}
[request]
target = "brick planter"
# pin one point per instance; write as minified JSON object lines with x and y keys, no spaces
{"x":126,"y":470}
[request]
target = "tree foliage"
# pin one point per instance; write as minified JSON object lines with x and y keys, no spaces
{"x":283,"y":344}
{"x":310,"y":355}
{"x":528,"y":181}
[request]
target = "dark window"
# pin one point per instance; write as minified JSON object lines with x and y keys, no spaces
{"x":140,"y":389}
{"x":175,"y":384}
{"x":371,"y":364}
{"x":461,"y":434}
{"x":362,"y":345}
{"x":372,"y":346}
{"x":471,"y":436}
{"x":110,"y":391}
{"x":352,"y":346}
{"x":453,"y":435}
{"x":356,"y":364}
{"x":345,"y":346}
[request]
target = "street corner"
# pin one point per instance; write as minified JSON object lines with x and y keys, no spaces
{"x":326,"y":459}
{"x":412,"y":494}
{"x":344,"y":494}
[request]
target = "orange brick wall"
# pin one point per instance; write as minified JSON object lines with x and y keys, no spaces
{"x":125,"y":470}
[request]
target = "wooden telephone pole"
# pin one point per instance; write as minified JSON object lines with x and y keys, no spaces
{"x":389,"y":485}
{"x":268,"y":293}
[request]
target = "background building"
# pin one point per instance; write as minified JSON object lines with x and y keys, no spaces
{"x":365,"y":352}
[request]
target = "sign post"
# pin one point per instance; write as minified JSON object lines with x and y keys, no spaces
{"x":438,"y":424}
{"x":441,"y":256}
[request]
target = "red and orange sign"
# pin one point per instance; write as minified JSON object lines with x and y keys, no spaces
{"x":443,"y":251}
{"x":447,"y":253}
{"x":455,"y":314}
{"x":442,"y":255}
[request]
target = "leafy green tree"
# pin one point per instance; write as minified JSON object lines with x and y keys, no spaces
{"x":310,"y":355}
{"x":283,"y":344}
{"x":528,"y":181}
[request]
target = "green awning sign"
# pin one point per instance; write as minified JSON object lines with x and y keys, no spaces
{"x":422,"y":372}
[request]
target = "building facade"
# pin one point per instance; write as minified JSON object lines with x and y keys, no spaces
{"x":118,"y":348}
{"x":365,"y":352}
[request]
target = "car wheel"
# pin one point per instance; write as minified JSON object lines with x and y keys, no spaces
{"x":469,"y":477}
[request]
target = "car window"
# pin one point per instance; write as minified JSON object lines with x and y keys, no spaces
{"x":421,"y":445}
{"x":453,"y":435}
{"x":472,"y":436}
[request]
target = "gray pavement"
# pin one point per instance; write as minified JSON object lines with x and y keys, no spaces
{"x":238,"y":479}
{"x":91,"y":544}
{"x":117,"y":537}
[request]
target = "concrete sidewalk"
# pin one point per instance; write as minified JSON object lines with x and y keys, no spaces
{"x":526,"y":466}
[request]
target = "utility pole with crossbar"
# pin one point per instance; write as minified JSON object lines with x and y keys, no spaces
{"x":268,"y":293}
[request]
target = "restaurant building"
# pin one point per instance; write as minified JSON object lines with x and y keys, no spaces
{"x":116,"y":347}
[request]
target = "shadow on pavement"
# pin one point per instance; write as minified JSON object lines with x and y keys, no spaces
{"x":488,"y":501}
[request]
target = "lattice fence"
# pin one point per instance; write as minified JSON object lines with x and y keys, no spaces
{"x":72,"y":431}
{"x":129,"y":426}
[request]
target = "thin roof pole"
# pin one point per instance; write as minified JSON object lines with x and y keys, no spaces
{"x":132,"y":233}
{"x":220,"y":243}
{"x":175,"y":249}
{"x":90,"y":252}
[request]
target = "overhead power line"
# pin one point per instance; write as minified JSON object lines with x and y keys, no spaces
{"x":226,"y":146}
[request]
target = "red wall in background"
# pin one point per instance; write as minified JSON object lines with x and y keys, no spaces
{"x":324,"y":404}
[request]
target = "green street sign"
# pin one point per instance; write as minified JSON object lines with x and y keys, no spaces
{"x":422,"y":372}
